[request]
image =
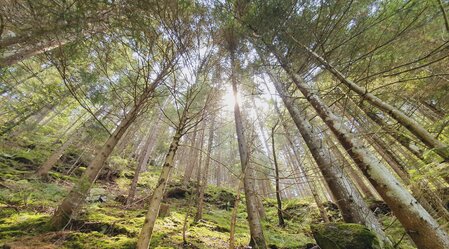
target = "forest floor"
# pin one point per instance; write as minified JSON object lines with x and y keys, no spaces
{"x":26,"y":205}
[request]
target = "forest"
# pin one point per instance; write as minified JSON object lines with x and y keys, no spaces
{"x":237,"y":124}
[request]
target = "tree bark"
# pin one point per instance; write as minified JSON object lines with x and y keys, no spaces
{"x":75,"y":199}
{"x":143,"y":240}
{"x":364,"y":188}
{"x":205,"y":171}
{"x":193,"y":158}
{"x":144,"y":156}
{"x":281,"y":221}
{"x":419,"y":224}
{"x":416,"y":129}
{"x":255,"y":226}
{"x":349,"y":201}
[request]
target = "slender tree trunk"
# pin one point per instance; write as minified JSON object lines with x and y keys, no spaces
{"x":350,"y":202}
{"x":276,"y":170}
{"x":218,"y":174}
{"x":255,"y":226}
{"x":144,"y":237}
{"x":263,"y":134}
{"x":416,"y":129}
{"x":200,"y":157}
{"x":203,"y":184}
{"x":77,"y":195}
{"x":401,"y":138}
{"x":364,"y":188}
{"x":234,"y":216}
{"x":313,"y":185}
{"x":419,"y":224}
{"x":30,"y":52}
{"x":193,"y":157}
{"x":144,"y":156}
{"x":443,"y":12}
{"x":75,"y":199}
{"x":51,"y":161}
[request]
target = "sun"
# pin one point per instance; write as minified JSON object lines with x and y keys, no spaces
{"x":228,"y":99}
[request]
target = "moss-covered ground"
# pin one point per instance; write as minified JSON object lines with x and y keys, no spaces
{"x":27,"y":203}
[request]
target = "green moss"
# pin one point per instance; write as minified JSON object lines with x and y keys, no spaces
{"x":98,"y":240}
{"x":31,"y":194}
{"x":20,"y":224}
{"x":344,"y":235}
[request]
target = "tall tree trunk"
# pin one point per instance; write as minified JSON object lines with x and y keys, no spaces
{"x":427,"y":198}
{"x":419,"y":224}
{"x":143,"y":241}
{"x":313,"y":185}
{"x":255,"y":226}
{"x":264,"y":137}
{"x":30,"y":52}
{"x":200,"y":157}
{"x":144,"y":156}
{"x":350,"y":202}
{"x":51,"y":161}
{"x":218,"y":173}
{"x":234,"y":215}
{"x":276,"y":170}
{"x":75,"y":199}
{"x":410,"y":124}
{"x":205,"y":171}
{"x":401,"y":138}
{"x":193,"y":158}
{"x":46,"y":44}
{"x":77,"y":195}
{"x":364,"y":188}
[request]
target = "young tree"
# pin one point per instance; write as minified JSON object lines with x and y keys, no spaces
{"x":276,"y":170}
{"x":203,"y":184}
{"x":187,"y":115}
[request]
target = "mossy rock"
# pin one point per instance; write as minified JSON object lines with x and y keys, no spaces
{"x":343,"y":236}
